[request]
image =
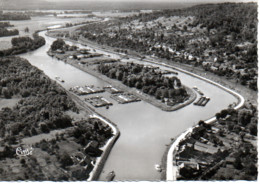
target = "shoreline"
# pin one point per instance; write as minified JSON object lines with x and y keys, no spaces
{"x":172,"y":170}
{"x":100,"y":161}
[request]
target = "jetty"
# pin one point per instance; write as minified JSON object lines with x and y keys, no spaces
{"x":124,"y":98}
{"x":98,"y":101}
{"x":112,"y":90}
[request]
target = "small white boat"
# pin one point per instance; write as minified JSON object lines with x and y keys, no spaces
{"x":111,"y":176}
{"x":158,"y":168}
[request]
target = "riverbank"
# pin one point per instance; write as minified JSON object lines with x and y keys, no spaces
{"x":172,"y":170}
{"x":100,"y":162}
{"x":71,"y":113}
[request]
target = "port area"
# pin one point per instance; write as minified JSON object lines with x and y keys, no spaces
{"x":98,"y":101}
{"x":202,"y":101}
{"x":124,"y":98}
{"x":86,"y":90}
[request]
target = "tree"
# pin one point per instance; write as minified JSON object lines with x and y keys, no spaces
{"x":223,"y":113}
{"x":166,"y":93}
{"x":251,"y":169}
{"x":57,"y":44}
{"x":25,"y":93}
{"x":119,"y":75}
{"x":65,"y":160}
{"x":26,"y":30}
{"x":253,"y":129}
{"x":7,"y":93}
{"x":244,"y":117}
{"x":138,"y":85}
{"x":158,"y":94}
{"x":44,"y":128}
{"x":237,"y":163}
{"x":33,"y":131}
{"x":218,"y":115}
{"x":63,"y":122}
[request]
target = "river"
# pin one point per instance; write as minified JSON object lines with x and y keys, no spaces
{"x":145,"y":129}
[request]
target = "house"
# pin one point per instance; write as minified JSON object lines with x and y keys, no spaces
{"x":79,"y":173}
{"x":190,"y":58}
{"x":80,"y":56}
{"x":60,"y":51}
{"x":214,"y":129}
{"x":199,"y":130}
{"x":192,"y":165}
{"x":84,"y":51}
{"x":213,"y":68}
{"x":92,"y":149}
{"x":86,"y":161}
{"x":230,"y":160}
{"x":206,"y":63}
{"x":205,"y":148}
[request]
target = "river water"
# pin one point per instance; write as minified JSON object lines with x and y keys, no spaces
{"x":145,"y":129}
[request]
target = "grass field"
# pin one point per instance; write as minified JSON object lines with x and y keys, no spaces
{"x":8,"y":102}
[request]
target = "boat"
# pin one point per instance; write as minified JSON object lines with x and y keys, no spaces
{"x":59,"y":79}
{"x":111,"y":175}
{"x":207,"y":99}
{"x":158,"y":168}
{"x":199,"y":101}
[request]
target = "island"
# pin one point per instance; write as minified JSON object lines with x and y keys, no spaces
{"x":159,"y":87}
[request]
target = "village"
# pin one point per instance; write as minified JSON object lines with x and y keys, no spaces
{"x":218,"y":150}
{"x":179,"y":38}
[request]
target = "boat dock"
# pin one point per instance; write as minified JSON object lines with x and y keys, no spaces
{"x":98,"y":101}
{"x":124,"y":98}
{"x":86,"y":90}
{"x":112,"y":90}
{"x":202,"y":101}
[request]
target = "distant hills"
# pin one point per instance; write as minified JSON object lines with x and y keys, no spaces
{"x":87,"y":5}
{"x":97,"y":5}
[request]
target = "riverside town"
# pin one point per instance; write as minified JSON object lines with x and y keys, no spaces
{"x":121,"y":90}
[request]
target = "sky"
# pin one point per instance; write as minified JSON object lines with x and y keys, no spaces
{"x":179,"y":1}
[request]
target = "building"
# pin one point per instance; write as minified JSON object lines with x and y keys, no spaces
{"x":205,"y":148}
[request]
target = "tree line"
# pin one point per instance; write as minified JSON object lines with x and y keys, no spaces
{"x":42,"y":106}
{"x":23,"y":45}
{"x":14,"y":16}
{"x":147,"y":79}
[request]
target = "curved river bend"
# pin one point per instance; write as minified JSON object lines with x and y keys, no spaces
{"x":145,"y":129}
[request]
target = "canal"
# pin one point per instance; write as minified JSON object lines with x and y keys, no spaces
{"x":145,"y":129}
